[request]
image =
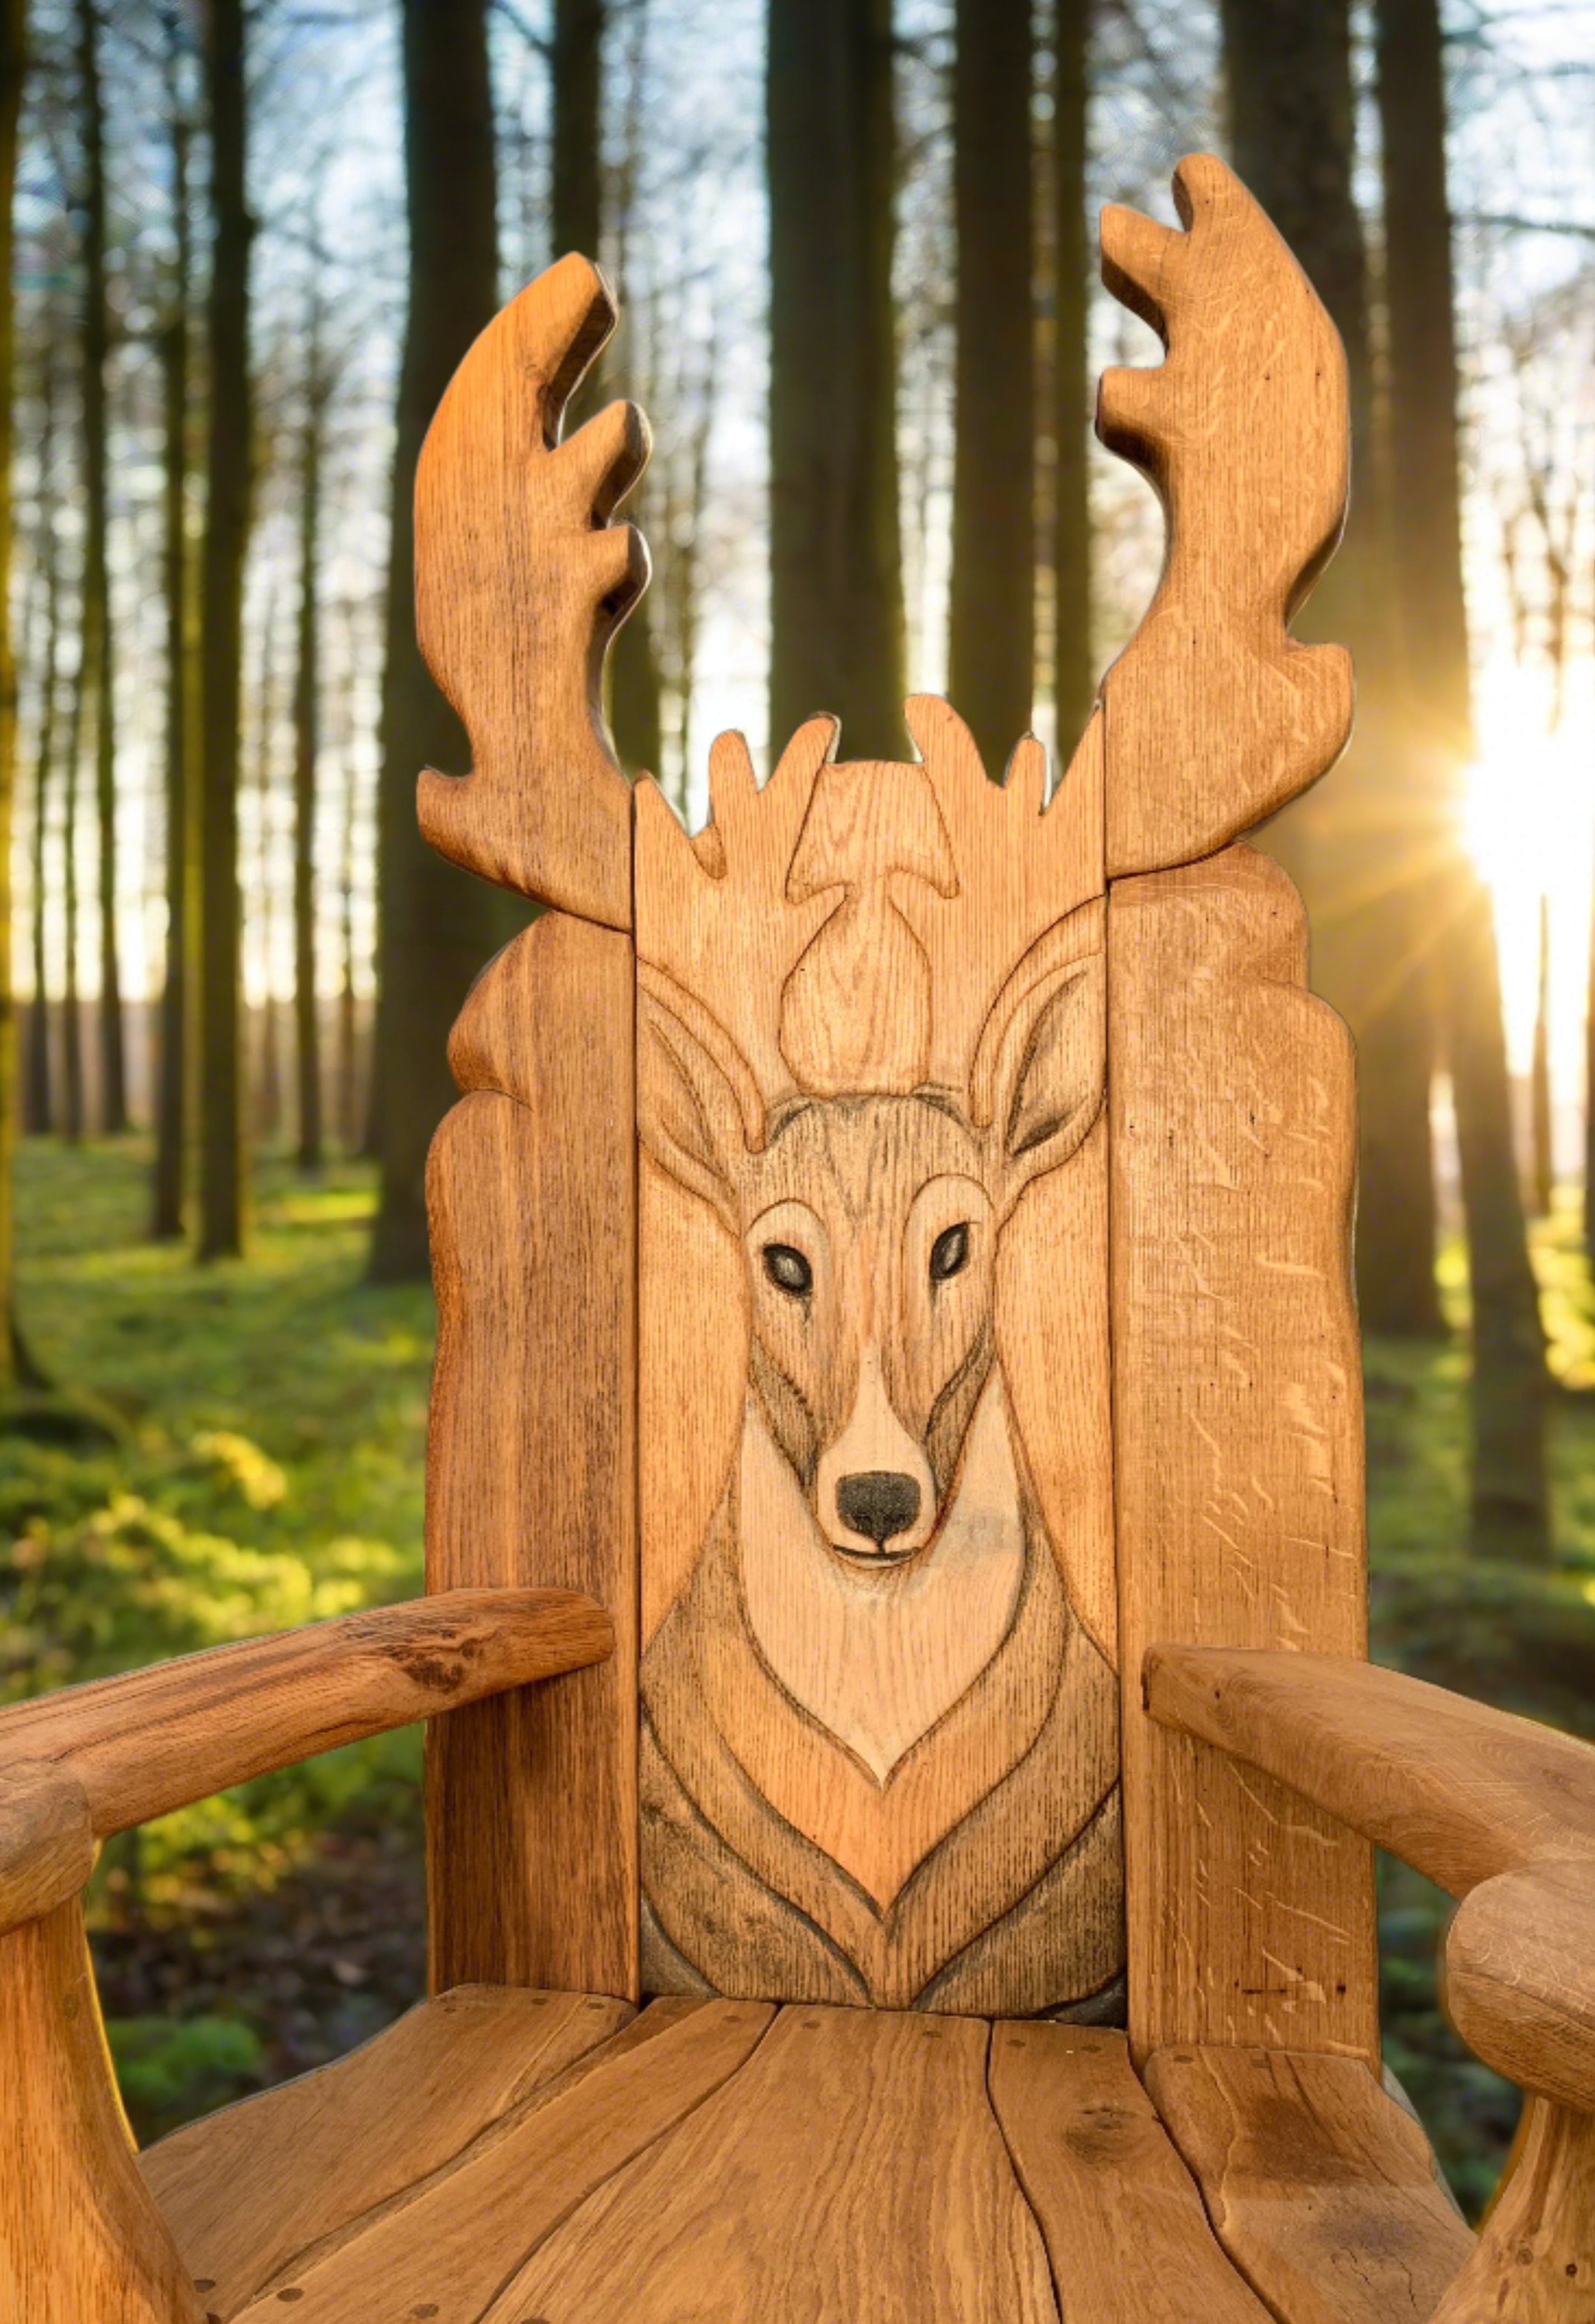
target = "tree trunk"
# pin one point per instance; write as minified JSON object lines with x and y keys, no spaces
{"x":39,"y":1111}
{"x":226,"y":534}
{"x":1545,"y":1163}
{"x":97,"y":623}
{"x":307,"y":686}
{"x":1288,"y":66}
{"x":347,"y":1068}
{"x":171,"y":1089}
{"x":1509,"y":1502}
{"x":12,"y":72}
{"x":437,"y":925}
{"x":992,"y":609}
{"x":74,"y":1109}
{"x":836,"y":595}
{"x":1075,"y":670}
{"x":264,"y":1084}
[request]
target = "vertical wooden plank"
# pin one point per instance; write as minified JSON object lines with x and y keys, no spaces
{"x":880,"y":1726}
{"x":1237,"y":1421}
{"x":531,"y":1798}
{"x":80,"y":2237}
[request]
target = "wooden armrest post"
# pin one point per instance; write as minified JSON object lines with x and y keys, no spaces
{"x":79,"y":2236}
{"x":81,"y":2241}
{"x":1500,"y":1811}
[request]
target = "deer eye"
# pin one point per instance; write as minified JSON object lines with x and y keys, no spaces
{"x":787,"y":1270}
{"x":950,"y":1252}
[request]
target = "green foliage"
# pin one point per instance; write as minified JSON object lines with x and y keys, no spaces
{"x":171,"y":2070}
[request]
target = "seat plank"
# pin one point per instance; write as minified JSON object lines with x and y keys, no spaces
{"x":1321,"y":2187}
{"x":244,"y":2189}
{"x":1125,"y":2230}
{"x":442,"y":2249}
{"x":853,"y":2167}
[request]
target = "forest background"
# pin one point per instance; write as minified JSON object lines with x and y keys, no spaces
{"x":854,"y":244}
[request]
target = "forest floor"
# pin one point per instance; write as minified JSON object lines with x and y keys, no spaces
{"x":261,"y":1464}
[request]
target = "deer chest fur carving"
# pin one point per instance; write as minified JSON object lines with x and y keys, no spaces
{"x":879,"y":1754}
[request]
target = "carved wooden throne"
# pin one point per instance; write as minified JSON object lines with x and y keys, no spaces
{"x":898,"y":1362}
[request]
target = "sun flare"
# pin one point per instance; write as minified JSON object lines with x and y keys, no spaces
{"x":1528,"y":823}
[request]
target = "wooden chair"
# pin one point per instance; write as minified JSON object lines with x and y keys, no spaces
{"x":898,"y":1365}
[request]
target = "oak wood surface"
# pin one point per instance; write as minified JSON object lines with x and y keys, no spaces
{"x":531,"y":1800}
{"x":521,"y":580}
{"x":152,"y":1740}
{"x":1214,"y":716}
{"x":245,"y":2189}
{"x":851,"y":2168}
{"x":1535,"y":2259}
{"x":1457,"y":1790}
{"x":47,"y":1846}
{"x":1237,"y":1431}
{"x":448,"y":2245}
{"x":1520,"y":1978}
{"x":877,"y":1765}
{"x":1320,"y":2187}
{"x":80,"y":2240}
{"x":1127,"y":2236}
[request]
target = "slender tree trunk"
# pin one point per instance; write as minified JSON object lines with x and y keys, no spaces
{"x":12,"y":73}
{"x":226,"y":533}
{"x":1590,"y":1103}
{"x":39,"y":1111}
{"x":1075,"y":670}
{"x":348,"y":1058}
{"x":992,"y":611}
{"x":171,"y":1089}
{"x":307,"y":686}
{"x":265,"y":1083}
{"x":437,"y":926}
{"x":1288,"y":64}
{"x":74,"y":1109}
{"x":1544,"y":1166}
{"x":96,"y":571}
{"x":1510,"y":1502}
{"x":836,"y":593}
{"x":632,"y":675}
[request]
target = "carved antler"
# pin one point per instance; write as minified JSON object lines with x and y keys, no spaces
{"x":520,"y":583}
{"x":1214,"y":716}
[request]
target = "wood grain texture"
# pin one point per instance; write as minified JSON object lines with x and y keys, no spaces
{"x":521,"y":581}
{"x":1238,"y":1430}
{"x":247,"y":2188}
{"x":1129,"y":2240}
{"x":1535,"y":2259}
{"x":1214,"y":716}
{"x":531,"y":1800}
{"x":851,"y":2168}
{"x":448,"y":2245}
{"x":152,"y":1740}
{"x":47,"y":1847}
{"x":81,"y":2242}
{"x":881,"y":1750}
{"x":1321,"y":2187}
{"x":1520,"y":1978}
{"x":1458,"y":1790}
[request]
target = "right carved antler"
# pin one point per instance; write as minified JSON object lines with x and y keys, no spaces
{"x":520,"y":583}
{"x":1214,"y":716}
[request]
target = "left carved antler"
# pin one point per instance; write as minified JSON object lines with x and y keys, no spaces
{"x":520,"y":583}
{"x":1214,"y":716}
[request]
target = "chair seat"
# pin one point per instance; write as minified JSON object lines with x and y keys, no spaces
{"x":508,"y":2157}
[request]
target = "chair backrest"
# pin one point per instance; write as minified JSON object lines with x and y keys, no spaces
{"x":893,"y":1250}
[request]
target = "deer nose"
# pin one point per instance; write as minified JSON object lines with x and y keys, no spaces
{"x":879,"y":1502}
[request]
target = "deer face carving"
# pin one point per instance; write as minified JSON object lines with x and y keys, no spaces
{"x":869,"y":1226}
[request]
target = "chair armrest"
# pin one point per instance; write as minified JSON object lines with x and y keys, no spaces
{"x":80,"y":1765}
{"x":1497,"y":1809}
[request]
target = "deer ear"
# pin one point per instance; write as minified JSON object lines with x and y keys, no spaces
{"x":688,"y":1116}
{"x":1051,"y":1072}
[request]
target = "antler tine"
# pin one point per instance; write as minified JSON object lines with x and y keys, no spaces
{"x":1214,"y":716}
{"x":520,"y":583}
